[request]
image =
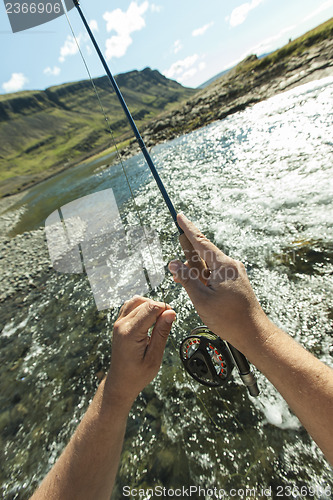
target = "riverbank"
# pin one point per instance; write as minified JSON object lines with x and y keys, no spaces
{"x":250,"y":82}
{"x":27,"y":251}
{"x":43,"y":132}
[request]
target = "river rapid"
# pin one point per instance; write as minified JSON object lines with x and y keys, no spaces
{"x":260,"y":185}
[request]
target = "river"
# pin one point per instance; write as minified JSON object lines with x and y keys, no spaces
{"x":260,"y":185}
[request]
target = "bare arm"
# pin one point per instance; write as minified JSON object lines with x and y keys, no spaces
{"x":305,"y":382}
{"x":88,"y":466}
{"x":228,"y":306}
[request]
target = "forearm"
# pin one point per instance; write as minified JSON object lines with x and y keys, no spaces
{"x":88,"y":466}
{"x":305,"y":382}
{"x":228,"y":306}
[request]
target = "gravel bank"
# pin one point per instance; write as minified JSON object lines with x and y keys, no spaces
{"x":23,"y":259}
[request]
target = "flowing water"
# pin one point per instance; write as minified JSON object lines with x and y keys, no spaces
{"x":259,"y":184}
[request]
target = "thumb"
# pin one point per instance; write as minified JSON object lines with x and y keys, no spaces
{"x":189,"y":279}
{"x":160,"y":335}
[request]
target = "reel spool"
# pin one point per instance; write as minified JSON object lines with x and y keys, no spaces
{"x":206,"y":357}
{"x":210,"y":360}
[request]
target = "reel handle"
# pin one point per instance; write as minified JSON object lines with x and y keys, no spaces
{"x":193,"y":259}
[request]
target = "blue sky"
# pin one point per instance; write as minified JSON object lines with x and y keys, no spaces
{"x":187,"y":40}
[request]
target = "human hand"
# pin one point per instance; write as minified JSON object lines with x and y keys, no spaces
{"x":226,"y":304}
{"x":136,"y":357}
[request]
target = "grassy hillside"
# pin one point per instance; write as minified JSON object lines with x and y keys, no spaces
{"x":294,"y":48}
{"x":43,"y":131}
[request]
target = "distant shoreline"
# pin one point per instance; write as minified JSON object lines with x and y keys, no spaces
{"x":7,"y":200}
{"x":49,"y":175}
{"x":250,"y":82}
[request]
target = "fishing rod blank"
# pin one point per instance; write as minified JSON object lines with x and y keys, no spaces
{"x":131,"y":121}
{"x":191,"y":255}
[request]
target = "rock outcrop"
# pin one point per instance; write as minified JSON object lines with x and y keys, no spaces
{"x":251,"y":81}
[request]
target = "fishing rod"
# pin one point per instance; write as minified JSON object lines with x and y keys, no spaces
{"x":201,"y":366}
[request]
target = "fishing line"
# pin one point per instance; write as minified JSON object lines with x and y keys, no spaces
{"x":109,"y":128}
{"x":190,"y":253}
{"x":200,"y":358}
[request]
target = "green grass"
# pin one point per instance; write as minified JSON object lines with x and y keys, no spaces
{"x":294,"y":48}
{"x":42,"y":132}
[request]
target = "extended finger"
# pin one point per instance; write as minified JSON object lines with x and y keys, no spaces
{"x":193,"y":258}
{"x":134,"y":302}
{"x":212,"y":255}
{"x":189,"y":278}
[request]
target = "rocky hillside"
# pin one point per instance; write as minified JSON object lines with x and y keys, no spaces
{"x":43,"y":131}
{"x":307,"y":58}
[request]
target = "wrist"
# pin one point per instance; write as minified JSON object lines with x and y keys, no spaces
{"x":256,"y":343}
{"x":116,"y":397}
{"x":252,"y":335}
{"x":111,"y":405}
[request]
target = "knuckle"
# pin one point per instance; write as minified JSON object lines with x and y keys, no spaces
{"x":237,"y":264}
{"x":201,"y":237}
{"x":125,"y":305}
{"x":152,"y":307}
{"x":123,"y":308}
{"x":120,"y":325}
{"x":185,"y":279}
{"x":117,"y":328}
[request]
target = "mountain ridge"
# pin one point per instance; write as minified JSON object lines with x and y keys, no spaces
{"x":42,"y":132}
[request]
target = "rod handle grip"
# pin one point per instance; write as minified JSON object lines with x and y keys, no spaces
{"x":193,"y":259}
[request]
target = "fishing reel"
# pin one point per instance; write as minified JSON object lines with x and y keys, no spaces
{"x":206,"y":357}
{"x":210,"y":360}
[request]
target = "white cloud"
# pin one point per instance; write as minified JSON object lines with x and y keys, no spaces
{"x":188,"y":74}
{"x":155,"y":8}
{"x":239,"y":14}
{"x":184,"y":69}
{"x":69,"y":48}
{"x":324,"y":6}
{"x":202,"y":30}
{"x":123,"y":23}
{"x":52,"y":71}
{"x":178,"y":68}
{"x":177,"y":46}
{"x":16,"y":83}
{"x":117,"y":45}
{"x":93,"y":25}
